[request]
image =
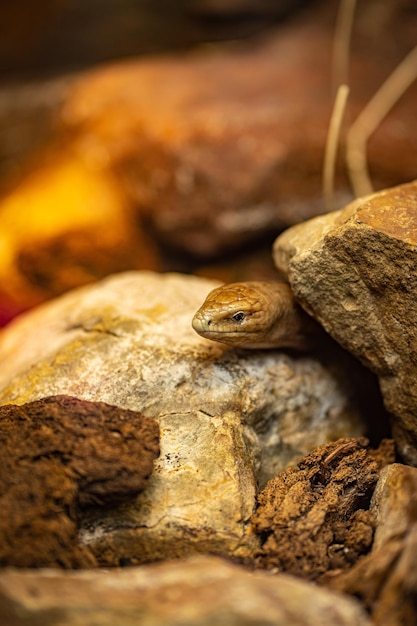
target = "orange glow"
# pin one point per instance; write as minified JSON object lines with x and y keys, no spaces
{"x":65,"y":201}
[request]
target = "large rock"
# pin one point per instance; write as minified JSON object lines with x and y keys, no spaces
{"x":200,"y":591}
{"x":228,"y":419}
{"x":227,"y":133}
{"x":354,"y":271}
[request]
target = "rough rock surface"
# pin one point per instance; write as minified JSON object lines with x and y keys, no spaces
{"x":315,"y":518}
{"x":58,"y":455}
{"x":394,"y":503}
{"x":354,"y":271}
{"x":385,"y":580}
{"x":203,"y":591}
{"x":228,"y":419}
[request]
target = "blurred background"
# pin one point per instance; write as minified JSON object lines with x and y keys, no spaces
{"x":178,"y":136}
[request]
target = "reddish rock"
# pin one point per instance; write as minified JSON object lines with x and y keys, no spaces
{"x":218,"y":148}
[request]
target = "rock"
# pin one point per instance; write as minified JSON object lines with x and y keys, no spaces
{"x":385,"y":580}
{"x":394,"y":503}
{"x":315,"y":518}
{"x":227,"y":133}
{"x":203,"y":591}
{"x":353,"y":270}
{"x":58,"y":455}
{"x":228,"y":419}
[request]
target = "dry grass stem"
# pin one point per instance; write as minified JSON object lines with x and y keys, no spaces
{"x":341,"y":43}
{"x":370,"y":118}
{"x":332,"y":143}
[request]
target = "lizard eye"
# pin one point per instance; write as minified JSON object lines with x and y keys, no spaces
{"x":238,"y":317}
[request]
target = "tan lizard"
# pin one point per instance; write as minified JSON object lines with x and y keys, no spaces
{"x":259,"y":314}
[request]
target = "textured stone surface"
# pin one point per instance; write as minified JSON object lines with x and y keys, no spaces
{"x":203,"y":591}
{"x":227,"y":419}
{"x":354,"y":271}
{"x":394,"y":503}
{"x":223,"y":132}
{"x":58,"y":455}
{"x":385,"y":580}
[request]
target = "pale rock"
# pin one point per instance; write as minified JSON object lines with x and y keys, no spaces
{"x":228,"y":419}
{"x":202,"y":591}
{"x":354,"y":271}
{"x":394,"y":503}
{"x":395,"y":506}
{"x":396,"y":606}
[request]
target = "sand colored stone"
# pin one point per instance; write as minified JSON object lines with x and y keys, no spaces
{"x":203,"y":591}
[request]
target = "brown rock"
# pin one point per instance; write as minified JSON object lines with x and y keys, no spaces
{"x":210,"y":146}
{"x":217,"y":149}
{"x":201,"y":591}
{"x":57,"y":455}
{"x":385,"y":580}
{"x":315,"y":518}
{"x":354,"y":271}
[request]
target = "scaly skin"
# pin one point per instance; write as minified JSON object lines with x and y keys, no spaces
{"x":261,"y":314}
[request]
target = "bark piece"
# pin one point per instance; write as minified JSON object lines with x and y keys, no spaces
{"x":315,"y":517}
{"x":58,"y":455}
